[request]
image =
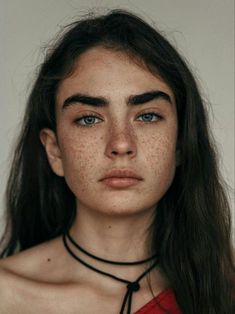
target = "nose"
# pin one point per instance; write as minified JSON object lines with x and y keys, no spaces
{"x":121,"y":142}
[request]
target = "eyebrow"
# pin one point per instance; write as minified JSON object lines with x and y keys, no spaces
{"x":132,"y":100}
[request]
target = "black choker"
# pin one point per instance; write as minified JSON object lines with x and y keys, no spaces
{"x":131,"y":286}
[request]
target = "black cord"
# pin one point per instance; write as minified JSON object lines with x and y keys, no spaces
{"x":105,"y":260}
{"x":131,"y":286}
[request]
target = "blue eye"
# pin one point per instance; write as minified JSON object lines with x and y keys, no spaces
{"x":148,"y":117}
{"x":88,"y":120}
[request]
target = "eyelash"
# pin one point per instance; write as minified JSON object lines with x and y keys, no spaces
{"x":94,"y":116}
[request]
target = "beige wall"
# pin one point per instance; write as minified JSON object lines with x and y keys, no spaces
{"x":203,"y":31}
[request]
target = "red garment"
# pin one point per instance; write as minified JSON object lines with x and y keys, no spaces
{"x":163,"y":303}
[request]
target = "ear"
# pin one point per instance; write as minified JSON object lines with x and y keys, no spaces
{"x":49,"y":141}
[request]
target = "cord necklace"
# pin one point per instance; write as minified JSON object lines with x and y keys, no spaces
{"x":132,"y":286}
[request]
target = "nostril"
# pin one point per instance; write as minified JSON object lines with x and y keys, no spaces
{"x":128,"y":152}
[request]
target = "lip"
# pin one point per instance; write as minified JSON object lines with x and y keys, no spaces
{"x":120,"y":182}
{"x":122,"y":173}
{"x":121,"y":178}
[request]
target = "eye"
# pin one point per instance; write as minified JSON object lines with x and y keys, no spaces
{"x":90,"y":120}
{"x":87,"y":120}
{"x":150,"y":117}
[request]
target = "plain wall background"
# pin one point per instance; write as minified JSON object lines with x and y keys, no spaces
{"x":202,"y":30}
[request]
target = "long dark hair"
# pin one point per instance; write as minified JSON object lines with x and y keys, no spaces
{"x":192,"y":226}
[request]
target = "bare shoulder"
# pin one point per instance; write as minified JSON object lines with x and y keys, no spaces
{"x":28,"y":275}
{"x":38,"y":281}
{"x":38,"y":263}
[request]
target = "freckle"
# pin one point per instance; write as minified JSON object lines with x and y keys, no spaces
{"x":48,"y":259}
{"x":109,"y":227}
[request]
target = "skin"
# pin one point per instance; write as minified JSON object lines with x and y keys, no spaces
{"x":111,"y":222}
{"x":118,"y":138}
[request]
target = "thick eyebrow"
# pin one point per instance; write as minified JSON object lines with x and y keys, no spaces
{"x":132,"y":100}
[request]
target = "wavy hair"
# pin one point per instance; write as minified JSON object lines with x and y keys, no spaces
{"x":192,"y":225}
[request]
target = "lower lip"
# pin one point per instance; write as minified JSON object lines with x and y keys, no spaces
{"x":120,"y":182}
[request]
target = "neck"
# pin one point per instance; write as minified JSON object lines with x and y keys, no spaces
{"x":122,"y":239}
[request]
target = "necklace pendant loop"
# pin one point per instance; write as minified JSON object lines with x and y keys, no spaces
{"x":133,"y":286}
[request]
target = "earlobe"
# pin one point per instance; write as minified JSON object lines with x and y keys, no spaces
{"x":49,"y":141}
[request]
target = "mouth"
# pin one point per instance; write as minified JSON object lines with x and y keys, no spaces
{"x":121,"y":178}
{"x":117,"y":182}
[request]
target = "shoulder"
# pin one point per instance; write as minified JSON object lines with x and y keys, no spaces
{"x":36,"y":263}
{"x":40,"y":280}
{"x":29,"y":274}
{"x":13,"y":288}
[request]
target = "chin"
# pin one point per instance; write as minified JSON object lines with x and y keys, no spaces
{"x":123,"y":207}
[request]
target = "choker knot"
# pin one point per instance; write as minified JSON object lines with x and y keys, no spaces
{"x":133,"y":286}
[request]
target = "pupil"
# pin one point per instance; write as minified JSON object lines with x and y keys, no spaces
{"x":89,"y":120}
{"x":148,"y":115}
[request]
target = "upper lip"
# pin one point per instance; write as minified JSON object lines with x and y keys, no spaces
{"x":122,"y":173}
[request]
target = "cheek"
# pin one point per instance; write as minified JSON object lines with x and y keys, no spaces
{"x":160,"y":157}
{"x":160,"y":152}
{"x":78,"y":158}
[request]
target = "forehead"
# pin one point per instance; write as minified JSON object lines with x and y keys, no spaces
{"x":110,"y":73}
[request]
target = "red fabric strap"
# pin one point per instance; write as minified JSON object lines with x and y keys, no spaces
{"x":165,"y":301}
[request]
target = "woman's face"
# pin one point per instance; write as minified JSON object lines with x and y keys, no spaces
{"x":122,"y":129}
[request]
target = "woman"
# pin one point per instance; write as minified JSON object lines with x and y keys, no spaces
{"x":114,"y":200}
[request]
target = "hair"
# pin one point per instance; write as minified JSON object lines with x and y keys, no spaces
{"x":191,"y":230}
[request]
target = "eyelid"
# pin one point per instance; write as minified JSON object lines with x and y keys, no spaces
{"x":85,"y":115}
{"x":150,"y":111}
{"x":159,"y":117}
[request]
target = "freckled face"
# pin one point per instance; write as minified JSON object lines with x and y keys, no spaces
{"x":139,"y":137}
